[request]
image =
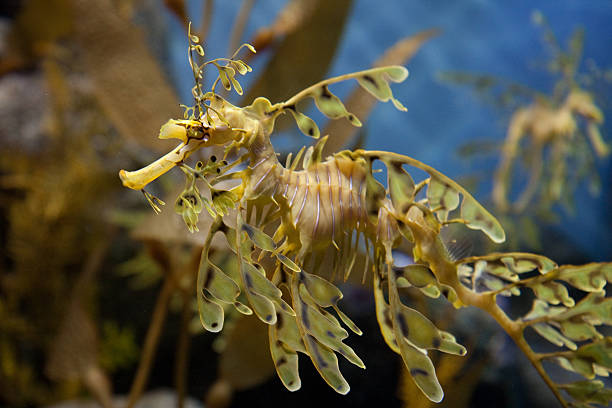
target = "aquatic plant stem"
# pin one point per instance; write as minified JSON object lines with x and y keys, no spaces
{"x":182,"y":351}
{"x":239,"y":25}
{"x":207,"y":13}
{"x":184,"y":340}
{"x":151,"y":340}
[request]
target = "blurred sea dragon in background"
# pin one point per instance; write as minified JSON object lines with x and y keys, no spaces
{"x":333,"y":209}
{"x":553,"y":137}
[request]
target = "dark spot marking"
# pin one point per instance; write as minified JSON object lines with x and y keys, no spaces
{"x":279,"y":321}
{"x":330,"y":334}
{"x":305,"y":320}
{"x":290,"y":383}
{"x":403,"y":325}
{"x":418,"y":371}
{"x":214,"y":324}
{"x":248,"y":281}
{"x":213,"y":158}
{"x":436,"y":342}
{"x":388,"y":322}
{"x":218,"y":170}
{"x":269,"y":318}
{"x":371,"y":80}
{"x":310,"y":132}
{"x":208,"y":279}
{"x":190,"y":198}
{"x":224,"y":162}
{"x":325,"y":93}
{"x":322,"y":362}
{"x":351,"y":117}
{"x":281,"y":361}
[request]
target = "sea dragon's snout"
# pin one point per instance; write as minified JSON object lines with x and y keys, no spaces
{"x":173,"y":129}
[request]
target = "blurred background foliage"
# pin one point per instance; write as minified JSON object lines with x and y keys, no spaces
{"x":96,"y":292}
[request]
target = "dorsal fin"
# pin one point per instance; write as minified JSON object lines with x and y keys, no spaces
{"x":314,"y":153}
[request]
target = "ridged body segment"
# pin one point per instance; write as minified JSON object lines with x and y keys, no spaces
{"x":324,"y":201}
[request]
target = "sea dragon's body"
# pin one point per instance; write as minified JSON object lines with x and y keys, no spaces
{"x":327,"y":204}
{"x":334,"y":207}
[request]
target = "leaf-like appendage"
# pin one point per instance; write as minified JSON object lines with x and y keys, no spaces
{"x":411,"y":334}
{"x":215,"y":289}
{"x":331,"y":106}
{"x":320,"y":331}
{"x":417,"y":362}
{"x":588,"y":392}
{"x":211,"y":315}
{"x":443,"y":195}
{"x":285,"y":359}
{"x":420,"y":277}
{"x":325,"y":328}
{"x":259,"y":238}
{"x":223,"y":201}
{"x":401,"y":186}
{"x":358,"y":101}
{"x":476,"y":217}
{"x":288,"y":262}
{"x":376,"y":82}
{"x":589,"y":360}
{"x":555,"y":315}
{"x":263,"y":295}
{"x":496,"y":272}
{"x":306,"y":124}
{"x":563,"y":325}
{"x":189,"y":204}
{"x":219,"y":285}
{"x":589,"y":278}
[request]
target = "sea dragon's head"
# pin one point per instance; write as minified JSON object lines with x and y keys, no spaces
{"x":193,"y":135}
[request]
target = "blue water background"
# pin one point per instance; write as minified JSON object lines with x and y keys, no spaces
{"x":492,"y":37}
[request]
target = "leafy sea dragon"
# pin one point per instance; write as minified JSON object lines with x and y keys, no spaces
{"x":334,"y":207}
